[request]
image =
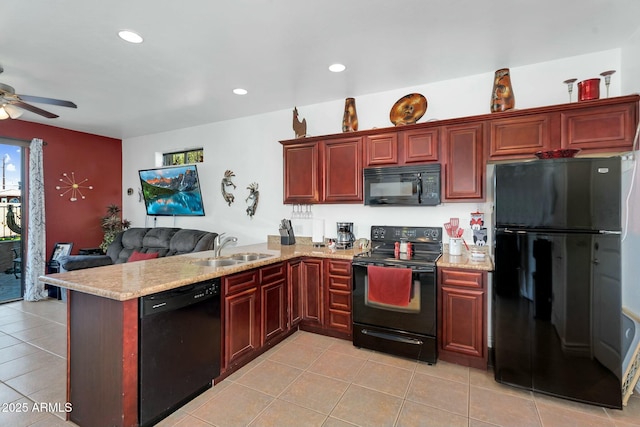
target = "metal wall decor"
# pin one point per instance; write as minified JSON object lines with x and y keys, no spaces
{"x":252,"y":199}
{"x":226,"y":182}
{"x":70,"y":185}
{"x":299,"y":127}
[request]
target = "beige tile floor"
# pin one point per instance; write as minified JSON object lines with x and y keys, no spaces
{"x":308,"y":380}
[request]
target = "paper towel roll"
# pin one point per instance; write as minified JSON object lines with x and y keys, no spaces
{"x":317,"y":231}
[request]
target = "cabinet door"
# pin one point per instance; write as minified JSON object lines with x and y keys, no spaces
{"x":419,"y":145}
{"x":342,"y":170}
{"x":301,"y":173}
{"x":462,"y":315}
{"x":600,"y":128}
{"x":241,"y":326}
{"x":464,"y":166}
{"x":520,"y":136}
{"x":273,"y":309}
{"x":338,"y":294}
{"x":273,"y":302}
{"x":294,"y":281}
{"x":381,"y":149}
{"x":312,"y":301}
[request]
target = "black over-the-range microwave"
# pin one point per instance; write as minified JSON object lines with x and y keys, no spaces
{"x":402,"y":185}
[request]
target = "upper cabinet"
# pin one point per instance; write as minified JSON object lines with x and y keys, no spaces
{"x":520,"y":136}
{"x":609,"y":127}
{"x":401,"y":147}
{"x":301,"y":173}
{"x":463,"y":162}
{"x":328,"y":169}
{"x":342,"y":171}
{"x":318,"y":171}
{"x":597,"y":126}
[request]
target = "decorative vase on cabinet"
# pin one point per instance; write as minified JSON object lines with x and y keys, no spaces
{"x":502,"y":98}
{"x":350,"y":118}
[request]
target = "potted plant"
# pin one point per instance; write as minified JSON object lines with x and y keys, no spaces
{"x":112,"y":224}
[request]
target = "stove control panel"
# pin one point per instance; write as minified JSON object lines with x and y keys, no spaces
{"x":410,"y":234}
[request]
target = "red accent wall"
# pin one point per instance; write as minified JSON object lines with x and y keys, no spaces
{"x":95,"y":157}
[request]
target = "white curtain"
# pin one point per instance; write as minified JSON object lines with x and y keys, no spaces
{"x":36,"y":237}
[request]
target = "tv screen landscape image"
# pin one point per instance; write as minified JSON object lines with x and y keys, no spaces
{"x":172,"y":191}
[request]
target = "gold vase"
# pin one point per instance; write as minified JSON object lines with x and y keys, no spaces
{"x":350,"y":118}
{"x":502,"y":98}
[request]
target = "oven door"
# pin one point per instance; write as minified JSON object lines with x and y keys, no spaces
{"x":407,"y":330}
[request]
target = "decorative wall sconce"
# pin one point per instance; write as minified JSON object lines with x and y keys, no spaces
{"x":69,"y":185}
{"x":226,"y":182}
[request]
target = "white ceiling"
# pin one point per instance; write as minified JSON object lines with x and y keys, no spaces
{"x":196,"y":51}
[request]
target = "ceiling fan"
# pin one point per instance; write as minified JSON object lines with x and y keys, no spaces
{"x":11,"y":103}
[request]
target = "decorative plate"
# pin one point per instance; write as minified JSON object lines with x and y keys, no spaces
{"x":408,"y":109}
{"x":558,"y":154}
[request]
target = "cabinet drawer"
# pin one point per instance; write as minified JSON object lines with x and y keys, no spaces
{"x":271,"y":273}
{"x":340,"y":283}
{"x":340,"y":300}
{"x":466,"y":278}
{"x":240,"y":281}
{"x":341,"y":268}
{"x":340,"y":321}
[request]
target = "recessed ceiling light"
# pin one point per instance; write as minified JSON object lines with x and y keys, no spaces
{"x":240,"y":91}
{"x":337,"y":68}
{"x":130,"y":36}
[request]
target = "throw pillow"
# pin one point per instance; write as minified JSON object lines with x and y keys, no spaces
{"x":139,"y":256}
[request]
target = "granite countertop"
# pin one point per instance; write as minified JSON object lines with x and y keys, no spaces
{"x":132,"y":280}
{"x":465,"y":260}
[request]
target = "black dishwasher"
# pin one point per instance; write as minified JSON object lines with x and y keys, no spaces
{"x":179,"y":353}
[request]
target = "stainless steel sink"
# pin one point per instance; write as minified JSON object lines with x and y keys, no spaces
{"x":222,"y":262}
{"x":249,"y":256}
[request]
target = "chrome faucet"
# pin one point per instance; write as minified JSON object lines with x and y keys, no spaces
{"x":220,"y":243}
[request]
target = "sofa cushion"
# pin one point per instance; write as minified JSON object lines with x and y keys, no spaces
{"x":186,"y":241}
{"x":79,"y":262}
{"x":139,"y":256}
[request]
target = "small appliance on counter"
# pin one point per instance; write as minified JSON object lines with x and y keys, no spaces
{"x":345,"y":235}
{"x":286,"y":233}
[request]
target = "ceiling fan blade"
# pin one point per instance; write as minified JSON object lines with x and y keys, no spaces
{"x":33,"y":109}
{"x":50,"y":101}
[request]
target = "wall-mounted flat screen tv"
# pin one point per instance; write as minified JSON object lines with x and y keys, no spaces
{"x":172,"y":191}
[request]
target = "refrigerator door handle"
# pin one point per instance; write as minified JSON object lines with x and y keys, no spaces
{"x":609,"y":232}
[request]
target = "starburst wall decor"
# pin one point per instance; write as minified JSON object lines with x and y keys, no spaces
{"x":69,"y":185}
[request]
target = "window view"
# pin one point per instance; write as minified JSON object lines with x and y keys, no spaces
{"x":185,"y":157}
{"x":10,"y":222}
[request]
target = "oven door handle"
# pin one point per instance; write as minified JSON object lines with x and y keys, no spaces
{"x":391,"y":337}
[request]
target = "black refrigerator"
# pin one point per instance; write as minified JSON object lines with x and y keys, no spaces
{"x":556,"y":313}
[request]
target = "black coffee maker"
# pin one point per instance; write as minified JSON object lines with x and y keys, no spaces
{"x":345,"y":235}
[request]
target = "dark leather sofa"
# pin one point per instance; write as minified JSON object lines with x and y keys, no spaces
{"x":164,"y":241}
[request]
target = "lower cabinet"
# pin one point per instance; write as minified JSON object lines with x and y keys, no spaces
{"x":338,"y":296}
{"x":241,"y":317}
{"x":320,"y":290}
{"x":462,"y":312}
{"x":254,"y":312}
{"x":262,"y":306}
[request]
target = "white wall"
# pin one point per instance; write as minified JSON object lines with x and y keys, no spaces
{"x":249,"y":147}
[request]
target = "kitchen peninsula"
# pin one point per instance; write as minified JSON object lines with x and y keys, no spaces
{"x":103,"y":313}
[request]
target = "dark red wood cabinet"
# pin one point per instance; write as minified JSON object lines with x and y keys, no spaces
{"x":462,"y":313}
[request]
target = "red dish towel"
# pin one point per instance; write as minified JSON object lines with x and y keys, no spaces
{"x":389,"y":285}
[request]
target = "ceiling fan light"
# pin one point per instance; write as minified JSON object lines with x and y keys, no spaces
{"x":130,"y":36}
{"x":12,"y":111}
{"x":3,"y":113}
